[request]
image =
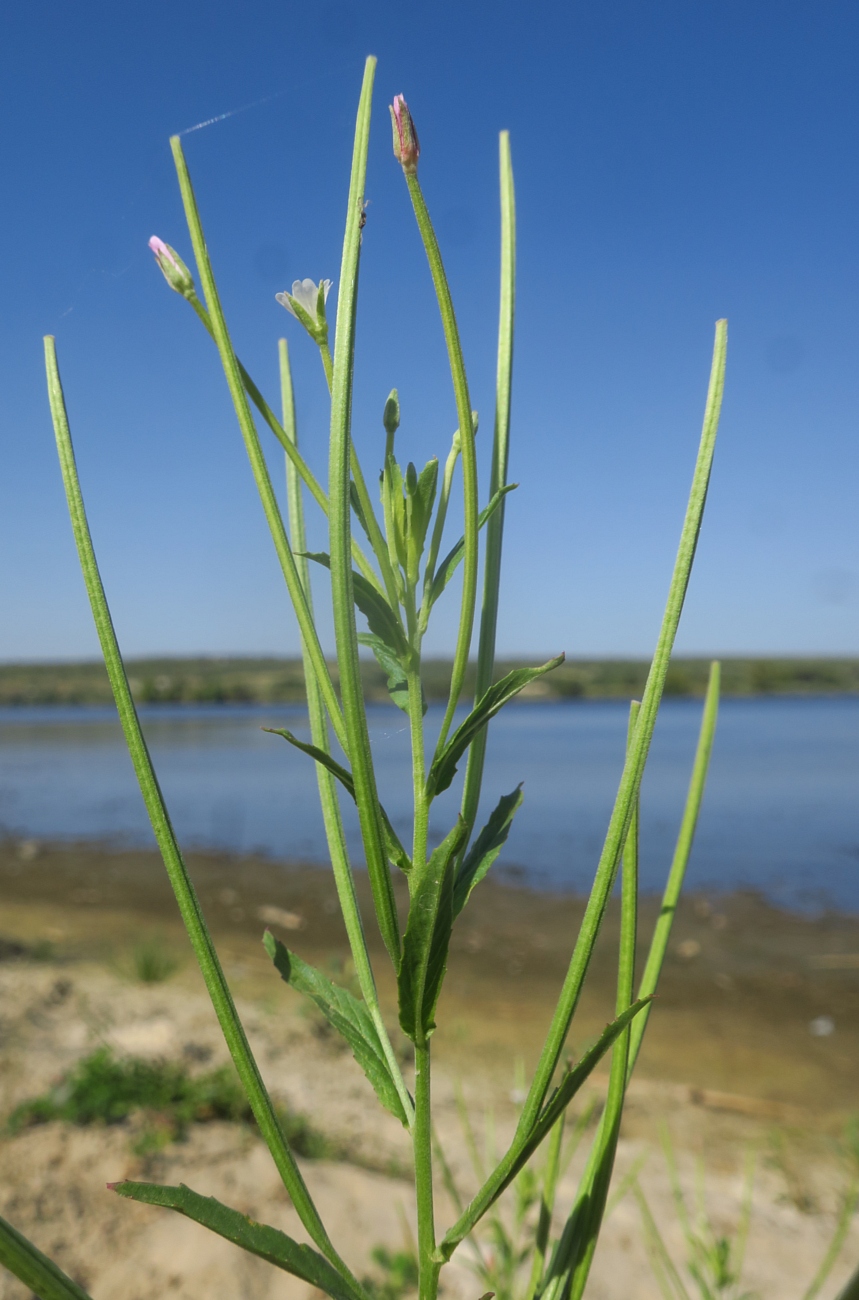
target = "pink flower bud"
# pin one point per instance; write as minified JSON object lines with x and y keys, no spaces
{"x":407,"y":147}
{"x":174,"y":270}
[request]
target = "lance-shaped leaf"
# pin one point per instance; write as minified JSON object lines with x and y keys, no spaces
{"x":393,"y":847}
{"x":427,"y":939}
{"x":523,"y":1147}
{"x":391,"y":666}
{"x":420,"y":496}
{"x":485,"y":848}
{"x":380,"y":617}
{"x":38,"y":1273}
{"x":344,"y":1013}
{"x":257,"y":1238}
{"x":446,"y":569}
{"x":443,"y":767}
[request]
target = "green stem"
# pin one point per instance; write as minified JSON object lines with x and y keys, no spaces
{"x":331,"y":815}
{"x":186,"y":897}
{"x":429,"y":1266}
{"x":416,"y":725}
{"x":636,"y":758}
{"x":500,"y":456}
{"x":469,"y":453}
{"x":339,"y":498}
{"x":252,"y":445}
{"x":676,"y":876}
{"x":315,"y":488}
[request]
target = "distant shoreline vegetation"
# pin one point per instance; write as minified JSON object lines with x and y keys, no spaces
{"x":281,"y":681}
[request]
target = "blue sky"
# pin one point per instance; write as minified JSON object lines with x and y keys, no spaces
{"x":675,"y":162}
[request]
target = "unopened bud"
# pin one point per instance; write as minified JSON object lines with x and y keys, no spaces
{"x":407,"y":147}
{"x":391,"y":414}
{"x":173,"y":268}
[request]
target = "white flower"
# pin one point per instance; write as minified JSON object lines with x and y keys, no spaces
{"x":305,"y":293}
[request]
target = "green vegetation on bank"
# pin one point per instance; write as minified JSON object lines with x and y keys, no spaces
{"x":281,"y":681}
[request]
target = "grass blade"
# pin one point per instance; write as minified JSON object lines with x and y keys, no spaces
{"x":842,"y":1227}
{"x":43,"y":1277}
{"x":340,"y":509}
{"x":257,"y":1238}
{"x":186,"y":897}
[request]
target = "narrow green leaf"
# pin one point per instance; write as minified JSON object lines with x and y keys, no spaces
{"x":38,"y":1273}
{"x":447,"y":568}
{"x":427,"y":938}
{"x":393,"y":847}
{"x":485,"y":848}
{"x":443,"y":767}
{"x":398,"y":685}
{"x":382,"y":620}
{"x":256,"y":1238}
{"x":344,"y":1013}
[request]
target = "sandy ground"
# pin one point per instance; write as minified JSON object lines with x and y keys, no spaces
{"x":743,"y":1075}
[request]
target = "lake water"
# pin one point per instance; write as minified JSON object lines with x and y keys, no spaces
{"x":781,"y":811}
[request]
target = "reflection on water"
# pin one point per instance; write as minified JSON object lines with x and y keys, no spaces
{"x":780,"y":812}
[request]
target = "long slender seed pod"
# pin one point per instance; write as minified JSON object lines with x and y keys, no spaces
{"x":252,"y":444}
{"x":630,"y":779}
{"x":345,"y":630}
{"x":500,"y":456}
{"x":186,"y":897}
{"x":469,"y":452}
{"x":677,"y":873}
{"x":328,"y":797}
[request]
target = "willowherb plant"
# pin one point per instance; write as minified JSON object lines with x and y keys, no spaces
{"x":388,"y":569}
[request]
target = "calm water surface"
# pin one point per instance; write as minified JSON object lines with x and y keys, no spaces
{"x":781,"y":811}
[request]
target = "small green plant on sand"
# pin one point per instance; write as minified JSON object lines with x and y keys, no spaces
{"x":152,"y":960}
{"x":104,"y":1089}
{"x":389,"y":565}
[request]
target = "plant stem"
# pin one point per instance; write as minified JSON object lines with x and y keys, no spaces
{"x":186,"y":897}
{"x":340,"y":509}
{"x":429,"y":1266}
{"x":469,"y":453}
{"x":331,"y":815}
{"x":500,"y":456}
{"x":252,"y":445}
{"x":416,"y":725}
